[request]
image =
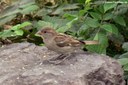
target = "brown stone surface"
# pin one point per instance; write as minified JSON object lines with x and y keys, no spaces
{"x":22,"y":64}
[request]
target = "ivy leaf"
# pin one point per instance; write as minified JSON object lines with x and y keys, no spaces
{"x":120,"y":20}
{"x":108,"y":6}
{"x":110,"y":28}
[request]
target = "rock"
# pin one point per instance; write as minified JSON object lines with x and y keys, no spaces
{"x":23,"y":64}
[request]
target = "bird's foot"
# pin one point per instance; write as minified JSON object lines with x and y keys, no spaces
{"x":59,"y":60}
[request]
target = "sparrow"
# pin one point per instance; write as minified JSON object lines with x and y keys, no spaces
{"x":62,"y":43}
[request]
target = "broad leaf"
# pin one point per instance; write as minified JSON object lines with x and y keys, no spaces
{"x":110,"y":28}
{"x":123,"y":61}
{"x":70,"y":6}
{"x":125,"y":67}
{"x":95,"y":15}
{"x":108,"y":16}
{"x":7,"y":33}
{"x":69,"y":16}
{"x":47,"y":24}
{"x":92,"y":22}
{"x":63,"y":29}
{"x":6,"y":19}
{"x":16,"y":27}
{"x":101,"y":47}
{"x":69,"y":24}
{"x":124,"y":55}
{"x":19,"y":32}
{"x":82,"y":30}
{"x":24,"y":24}
{"x":87,"y":1}
{"x":120,"y":20}
{"x":29,"y":9}
{"x":101,"y":9}
{"x":26,"y":5}
{"x":108,"y":6}
{"x":125,"y":46}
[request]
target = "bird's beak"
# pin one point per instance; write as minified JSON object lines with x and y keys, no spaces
{"x":38,"y":33}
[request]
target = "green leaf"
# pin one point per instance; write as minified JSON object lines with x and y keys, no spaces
{"x":82,"y":12}
{"x":110,"y":28}
{"x":24,"y":24}
{"x":19,"y":32}
{"x":70,"y":6}
{"x":108,"y":16}
{"x":82,"y":30}
{"x":29,"y":9}
{"x":92,"y":22}
{"x":7,"y":33}
{"x":47,"y":24}
{"x":16,"y":27}
{"x":125,"y":67}
{"x":120,"y":20}
{"x":123,"y":61}
{"x":7,"y":19}
{"x":87,"y":1}
{"x":95,"y":15}
{"x":125,"y":46}
{"x":80,"y":1}
{"x":10,"y":12}
{"x":124,"y":55}
{"x":69,"y":16}
{"x":69,"y":24}
{"x":26,"y":5}
{"x":101,"y":9}
{"x":63,"y":29}
{"x":101,"y":47}
{"x":108,"y":6}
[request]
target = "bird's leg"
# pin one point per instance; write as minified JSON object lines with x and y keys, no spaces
{"x":61,"y":56}
{"x":59,"y":59}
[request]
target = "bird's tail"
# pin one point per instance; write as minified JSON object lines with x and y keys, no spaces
{"x":91,"y":42}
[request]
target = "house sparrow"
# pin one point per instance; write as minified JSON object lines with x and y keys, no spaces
{"x":61,"y":43}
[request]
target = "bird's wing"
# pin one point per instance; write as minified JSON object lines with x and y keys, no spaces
{"x":65,"y":40}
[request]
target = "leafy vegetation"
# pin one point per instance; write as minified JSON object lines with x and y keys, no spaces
{"x":105,"y":21}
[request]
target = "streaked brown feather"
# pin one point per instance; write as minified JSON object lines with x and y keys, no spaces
{"x":65,"y":40}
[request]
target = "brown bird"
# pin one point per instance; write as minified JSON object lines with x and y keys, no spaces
{"x":62,"y":43}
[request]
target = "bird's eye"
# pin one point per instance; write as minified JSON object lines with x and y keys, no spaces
{"x":45,"y":31}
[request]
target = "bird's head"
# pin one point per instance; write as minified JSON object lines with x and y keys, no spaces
{"x":47,"y":32}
